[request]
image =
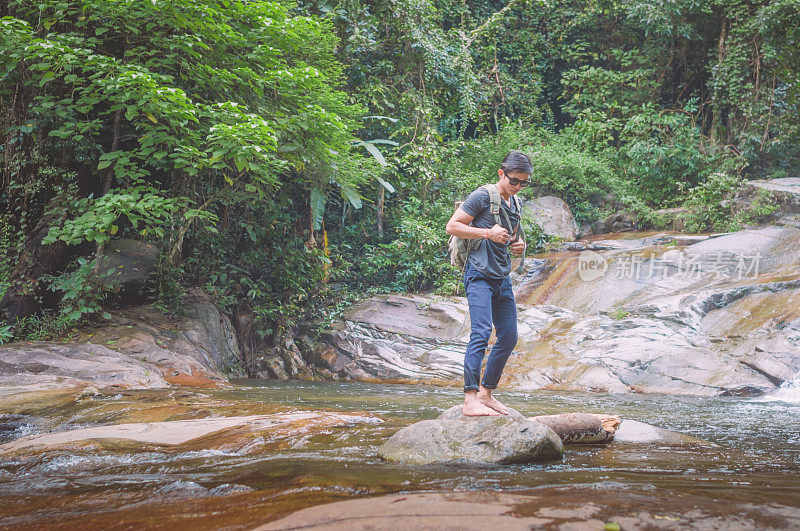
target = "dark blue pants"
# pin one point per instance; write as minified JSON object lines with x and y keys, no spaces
{"x":489,"y":301}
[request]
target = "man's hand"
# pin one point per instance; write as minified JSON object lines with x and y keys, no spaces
{"x":498,"y":234}
{"x":517,"y":248}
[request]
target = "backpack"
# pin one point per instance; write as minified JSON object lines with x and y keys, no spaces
{"x":460,"y":248}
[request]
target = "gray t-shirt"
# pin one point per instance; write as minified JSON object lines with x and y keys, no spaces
{"x":489,"y":258}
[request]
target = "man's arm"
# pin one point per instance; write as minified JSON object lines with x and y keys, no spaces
{"x":459,"y":226}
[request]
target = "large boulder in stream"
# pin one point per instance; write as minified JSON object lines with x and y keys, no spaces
{"x":635,"y":432}
{"x":459,"y":439}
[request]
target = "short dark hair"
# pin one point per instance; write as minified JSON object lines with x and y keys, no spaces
{"x":517,"y":162}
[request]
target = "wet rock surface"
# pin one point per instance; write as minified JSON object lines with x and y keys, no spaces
{"x":138,"y":348}
{"x":663,"y":313}
{"x":227,"y":432}
{"x":398,"y":338}
{"x":488,"y":439}
{"x":547,"y":508}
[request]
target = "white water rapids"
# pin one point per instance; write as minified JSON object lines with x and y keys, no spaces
{"x":789,"y":391}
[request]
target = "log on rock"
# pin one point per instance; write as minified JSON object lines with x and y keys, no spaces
{"x":581,"y":428}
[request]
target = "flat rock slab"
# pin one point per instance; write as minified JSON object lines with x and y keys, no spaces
{"x":412,"y":315}
{"x":490,"y":439}
{"x":177,"y":432}
{"x":98,"y":365}
{"x":138,"y":348}
{"x":789,"y":185}
{"x":472,"y":510}
{"x":547,"y":508}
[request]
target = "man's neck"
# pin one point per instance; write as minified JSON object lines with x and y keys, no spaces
{"x":505,"y":194}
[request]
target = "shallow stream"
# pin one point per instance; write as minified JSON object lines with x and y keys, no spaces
{"x":750,"y":462}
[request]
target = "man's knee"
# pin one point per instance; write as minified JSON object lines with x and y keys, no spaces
{"x":508,"y":337}
{"x":481,"y":333}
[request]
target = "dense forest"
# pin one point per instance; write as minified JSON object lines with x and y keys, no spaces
{"x":290,"y":157}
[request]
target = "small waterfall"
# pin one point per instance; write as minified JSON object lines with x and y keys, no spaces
{"x":789,"y":391}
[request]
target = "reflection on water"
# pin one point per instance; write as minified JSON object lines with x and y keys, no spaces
{"x":754,"y":458}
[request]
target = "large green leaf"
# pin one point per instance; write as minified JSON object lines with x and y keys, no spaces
{"x":374,"y":152}
{"x":383,"y":141}
{"x":317,"y":207}
{"x":385,"y":184}
{"x":352,"y":196}
{"x":378,"y":117}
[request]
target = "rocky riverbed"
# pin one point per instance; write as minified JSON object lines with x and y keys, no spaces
{"x":299,"y":453}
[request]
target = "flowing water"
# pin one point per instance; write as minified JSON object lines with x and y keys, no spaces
{"x":750,"y":460}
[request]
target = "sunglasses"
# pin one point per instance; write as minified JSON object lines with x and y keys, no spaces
{"x":513,"y":181}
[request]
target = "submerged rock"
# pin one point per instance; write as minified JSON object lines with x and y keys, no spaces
{"x":488,"y":439}
{"x":232,"y":433}
{"x":457,"y":510}
{"x":632,"y":431}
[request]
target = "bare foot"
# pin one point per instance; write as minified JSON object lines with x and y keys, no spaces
{"x":476,"y":409}
{"x":493,"y":403}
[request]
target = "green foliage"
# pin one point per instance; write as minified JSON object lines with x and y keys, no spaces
{"x":415,"y":260}
{"x":7,"y":244}
{"x":42,"y":327}
{"x":535,"y":237}
{"x":6,"y":334}
{"x":710,"y":206}
{"x":228,"y":134}
{"x":559,"y":168}
{"x":259,"y":263}
{"x":618,"y":314}
{"x":98,"y":218}
{"x":151,"y":120}
{"x":83,"y":291}
{"x":707,"y":203}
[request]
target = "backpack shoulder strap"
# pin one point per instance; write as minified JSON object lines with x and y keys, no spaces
{"x":494,"y":201}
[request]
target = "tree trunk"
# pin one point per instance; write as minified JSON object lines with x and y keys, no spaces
{"x":98,"y":255}
{"x":581,"y":428}
{"x":381,"y":201}
{"x":716,"y":104}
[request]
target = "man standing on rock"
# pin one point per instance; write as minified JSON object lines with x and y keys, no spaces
{"x":487,"y":283}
